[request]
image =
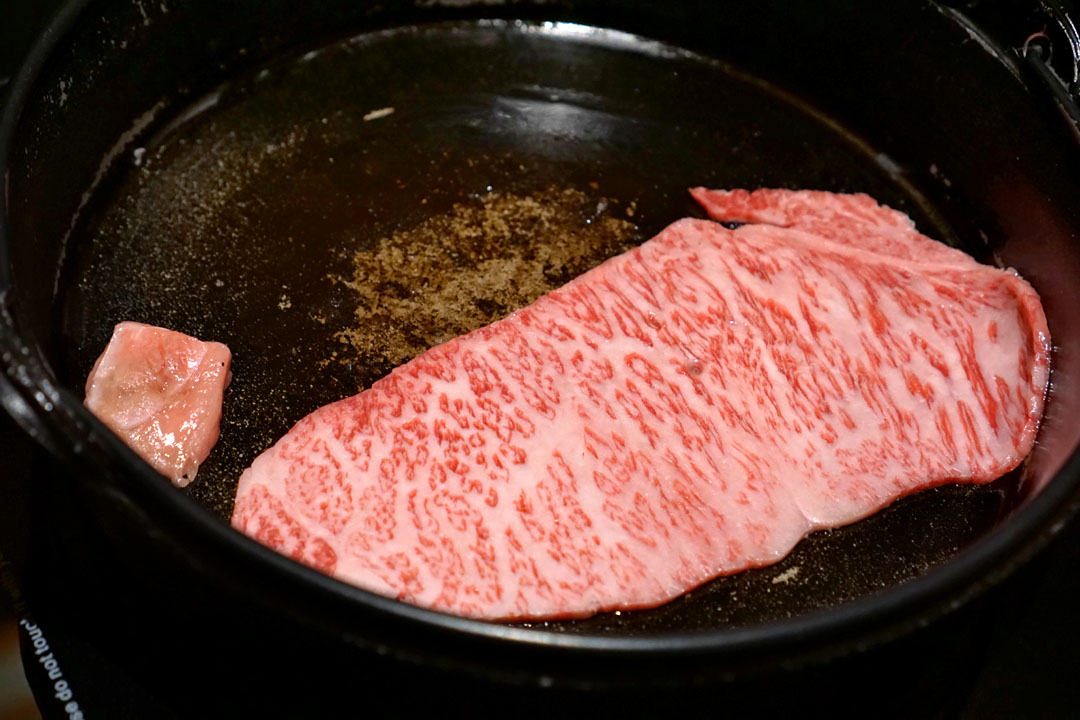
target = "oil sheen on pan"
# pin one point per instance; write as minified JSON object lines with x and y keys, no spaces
{"x":688,"y":409}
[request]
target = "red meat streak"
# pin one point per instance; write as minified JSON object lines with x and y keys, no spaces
{"x":689,"y":409}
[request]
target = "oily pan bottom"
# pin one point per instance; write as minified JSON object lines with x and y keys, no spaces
{"x":333,"y":213}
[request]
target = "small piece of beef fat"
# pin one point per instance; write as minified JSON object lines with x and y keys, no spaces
{"x":161,"y":392}
{"x":689,"y":409}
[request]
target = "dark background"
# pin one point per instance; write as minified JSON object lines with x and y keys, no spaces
{"x":20,"y":23}
{"x":1018,"y":656}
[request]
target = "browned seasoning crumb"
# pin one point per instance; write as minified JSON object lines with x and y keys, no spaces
{"x":474,"y":264}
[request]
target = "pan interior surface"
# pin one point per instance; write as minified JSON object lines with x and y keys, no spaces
{"x":333,"y":213}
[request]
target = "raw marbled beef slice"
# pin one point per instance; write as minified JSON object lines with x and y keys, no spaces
{"x":688,"y":409}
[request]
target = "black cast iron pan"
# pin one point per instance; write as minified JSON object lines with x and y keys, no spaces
{"x":331,"y":189}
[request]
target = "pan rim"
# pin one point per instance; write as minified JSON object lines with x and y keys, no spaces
{"x":18,"y":95}
{"x":917,"y":602}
